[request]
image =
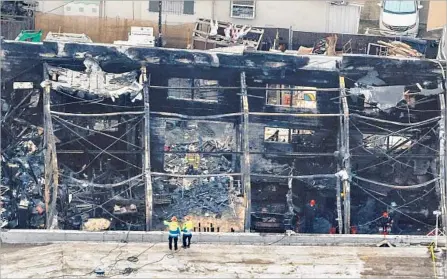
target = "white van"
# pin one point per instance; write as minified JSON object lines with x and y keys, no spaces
{"x":399,"y":17}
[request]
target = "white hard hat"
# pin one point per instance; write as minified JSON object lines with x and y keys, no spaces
{"x":393,"y":204}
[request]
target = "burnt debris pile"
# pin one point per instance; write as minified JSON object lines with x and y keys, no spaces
{"x":21,"y":192}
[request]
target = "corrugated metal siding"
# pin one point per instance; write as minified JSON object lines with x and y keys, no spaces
{"x":10,"y":28}
{"x":343,"y":19}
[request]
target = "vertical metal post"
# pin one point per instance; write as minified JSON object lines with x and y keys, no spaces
{"x":160,"y":35}
{"x":246,"y":181}
{"x":436,"y":230}
{"x":147,"y":152}
{"x":290,"y":38}
{"x":346,"y":157}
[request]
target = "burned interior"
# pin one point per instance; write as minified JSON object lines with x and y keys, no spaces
{"x":241,"y":142}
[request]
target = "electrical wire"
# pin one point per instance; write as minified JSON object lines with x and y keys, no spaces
{"x":405,"y":204}
{"x":101,"y":133}
{"x":96,"y":146}
{"x":379,"y":200}
{"x":397,"y":156}
{"x":112,"y":126}
{"x":110,"y":145}
{"x":397,"y":187}
{"x":109,"y":200}
{"x":390,"y":131}
{"x":402,"y":130}
{"x":392,"y":158}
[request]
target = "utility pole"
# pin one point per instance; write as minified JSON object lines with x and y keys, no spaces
{"x":160,"y":35}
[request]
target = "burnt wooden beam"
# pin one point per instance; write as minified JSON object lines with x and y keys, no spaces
{"x":245,"y":164}
{"x":346,"y":157}
{"x":147,"y":152}
{"x":338,"y":182}
{"x":310,"y":176}
{"x":194,"y":175}
{"x":442,"y":153}
{"x":51,"y":167}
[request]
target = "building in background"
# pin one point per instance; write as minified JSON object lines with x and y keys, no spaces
{"x":312,"y":16}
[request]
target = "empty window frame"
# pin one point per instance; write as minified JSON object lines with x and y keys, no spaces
{"x":243,"y":9}
{"x":300,"y":97}
{"x":173,"y":7}
{"x":372,"y":141}
{"x":283,"y":135}
{"x":208,"y":93}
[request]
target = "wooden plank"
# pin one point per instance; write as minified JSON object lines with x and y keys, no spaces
{"x":147,"y":153}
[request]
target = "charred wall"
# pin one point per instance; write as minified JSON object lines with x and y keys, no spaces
{"x":293,"y":158}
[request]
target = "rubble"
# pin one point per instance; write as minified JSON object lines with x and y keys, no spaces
{"x":189,"y":137}
{"x":214,"y":197}
{"x":397,"y":48}
{"x":22,"y":182}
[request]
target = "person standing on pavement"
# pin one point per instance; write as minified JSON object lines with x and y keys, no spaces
{"x":187,"y":231}
{"x":174,"y":232}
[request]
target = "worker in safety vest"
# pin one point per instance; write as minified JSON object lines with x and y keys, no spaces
{"x":386,"y":223}
{"x":174,"y":231}
{"x":187,"y":231}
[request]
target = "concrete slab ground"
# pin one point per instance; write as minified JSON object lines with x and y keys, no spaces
{"x":79,"y":259}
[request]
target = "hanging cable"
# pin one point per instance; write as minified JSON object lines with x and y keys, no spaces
{"x":398,"y":155}
{"x":96,"y":146}
{"x":367,"y":192}
{"x":402,"y":130}
{"x":396,"y":186}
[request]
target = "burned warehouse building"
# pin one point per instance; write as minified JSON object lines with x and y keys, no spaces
{"x":98,"y":136}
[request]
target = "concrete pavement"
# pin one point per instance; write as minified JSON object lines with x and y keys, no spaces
{"x":79,"y":259}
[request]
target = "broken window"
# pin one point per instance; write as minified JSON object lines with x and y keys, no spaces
{"x":281,"y":95}
{"x":201,"y":90}
{"x":283,"y":134}
{"x":173,"y":7}
{"x":243,"y":9}
{"x":386,"y":142}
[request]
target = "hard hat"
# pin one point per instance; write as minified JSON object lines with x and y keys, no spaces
{"x":393,"y":204}
{"x":385,"y":214}
{"x":174,"y":219}
{"x":312,"y":202}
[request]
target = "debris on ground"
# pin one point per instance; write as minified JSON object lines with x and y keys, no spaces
{"x":397,"y":48}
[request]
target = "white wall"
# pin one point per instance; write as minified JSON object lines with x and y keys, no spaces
{"x":53,"y":7}
{"x":311,"y":15}
{"x":81,"y":9}
{"x":140,"y":10}
{"x":301,"y":15}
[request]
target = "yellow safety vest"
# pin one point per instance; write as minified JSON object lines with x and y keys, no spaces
{"x":174,"y":228}
{"x":193,"y":159}
{"x":187,"y":227}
